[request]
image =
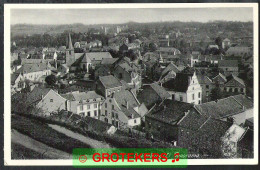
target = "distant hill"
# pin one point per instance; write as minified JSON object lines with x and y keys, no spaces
{"x":26,"y":29}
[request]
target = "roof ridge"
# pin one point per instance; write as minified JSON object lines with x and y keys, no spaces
{"x":204,"y":122}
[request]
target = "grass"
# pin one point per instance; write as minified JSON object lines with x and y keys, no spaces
{"x":21,"y":152}
{"x":41,"y":132}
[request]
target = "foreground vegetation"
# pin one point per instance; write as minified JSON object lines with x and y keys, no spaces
{"x":41,"y":132}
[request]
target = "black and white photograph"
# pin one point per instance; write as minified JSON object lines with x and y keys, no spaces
{"x":131,"y":76}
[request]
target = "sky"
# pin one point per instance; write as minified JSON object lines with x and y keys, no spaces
{"x":117,"y":16}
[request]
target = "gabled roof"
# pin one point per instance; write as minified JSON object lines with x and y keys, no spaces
{"x":192,"y":121}
{"x":109,"y":81}
{"x":228,"y":63}
{"x":29,"y":68}
{"x":170,"y":111}
{"x":203,"y":79}
{"x":170,"y":67}
{"x":160,"y":91}
{"x":88,"y":57}
{"x":232,"y":78}
{"x":238,"y":49}
{"x":224,"y":107}
{"x":127,"y":102}
{"x":37,"y":94}
{"x":180,"y":83}
{"x":108,"y":61}
{"x":220,"y":77}
{"x":79,"y":96}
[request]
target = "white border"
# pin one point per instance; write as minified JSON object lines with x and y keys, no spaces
{"x":7,"y":72}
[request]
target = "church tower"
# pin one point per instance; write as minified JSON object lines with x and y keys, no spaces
{"x":70,"y":55}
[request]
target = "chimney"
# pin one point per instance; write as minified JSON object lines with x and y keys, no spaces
{"x":132,"y":115}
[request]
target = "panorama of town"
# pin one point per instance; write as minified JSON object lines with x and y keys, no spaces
{"x":133,"y":85}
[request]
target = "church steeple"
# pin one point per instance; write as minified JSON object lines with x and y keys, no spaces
{"x":70,"y":56}
{"x":69,"y":43}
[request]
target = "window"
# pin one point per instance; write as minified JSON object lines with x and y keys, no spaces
{"x":95,"y":105}
{"x":199,"y":95}
{"x":106,"y":112}
{"x":81,"y":107}
{"x":193,"y":96}
{"x":135,"y":121}
{"x":207,"y":86}
{"x":95,"y":112}
{"x":113,"y":107}
{"x":236,"y":90}
{"x":110,"y":100}
{"x":117,"y":124}
{"x":88,"y":106}
{"x":113,"y":115}
{"x":51,"y":100}
{"x":105,"y":105}
{"x":225,"y":89}
{"x":241,"y":90}
{"x":106,"y":120}
{"x":116,"y":115}
{"x":192,"y":88}
{"x":181,"y":99}
{"x":113,"y":122}
{"x":88,"y":113}
{"x":199,"y":101}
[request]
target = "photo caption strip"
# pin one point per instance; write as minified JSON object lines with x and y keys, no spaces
{"x":130,"y":157}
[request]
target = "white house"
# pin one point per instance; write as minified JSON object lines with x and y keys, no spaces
{"x":185,"y":88}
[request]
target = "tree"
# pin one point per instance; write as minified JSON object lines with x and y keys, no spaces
{"x":218,"y":41}
{"x":216,"y":93}
{"x":152,"y":47}
{"x":50,"y":80}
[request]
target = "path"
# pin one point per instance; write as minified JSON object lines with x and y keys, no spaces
{"x":39,"y":147}
{"x":91,"y":142}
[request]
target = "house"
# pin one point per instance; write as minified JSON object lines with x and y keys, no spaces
{"x":109,"y":61}
{"x":201,"y":134}
{"x":123,"y":48}
{"x":235,"y":109}
{"x":206,"y":85}
{"x":161,"y":121}
{"x":122,"y":110}
{"x":225,"y":43}
{"x":214,"y":59}
{"x":107,"y":85}
{"x":237,"y":142}
{"x":169,"y":72}
{"x":90,"y":60}
{"x":166,"y":51}
{"x":102,"y":71}
{"x":34,"y":72}
{"x":228,"y":66}
{"x":52,"y":102}
{"x":63,"y":68}
{"x":129,"y":73}
{"x":185,"y":88}
{"x":235,"y":85}
{"x":153,"y":94}
{"x":17,"y":82}
{"x":219,"y":80}
{"x":84,"y":103}
{"x":239,"y":51}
